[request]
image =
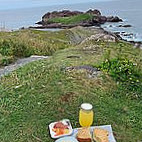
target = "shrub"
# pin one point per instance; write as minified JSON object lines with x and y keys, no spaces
{"x":20,"y":49}
{"x":5,"y":47}
{"x":123,"y":71}
{"x":15,"y":48}
{"x":4,"y":61}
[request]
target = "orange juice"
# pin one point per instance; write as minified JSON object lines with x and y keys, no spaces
{"x":86,"y":115}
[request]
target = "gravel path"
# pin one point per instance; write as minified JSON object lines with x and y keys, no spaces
{"x":19,"y":63}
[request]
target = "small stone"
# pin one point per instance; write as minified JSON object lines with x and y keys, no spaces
{"x":73,"y":56}
{"x":39,"y":103}
{"x":16,"y":87}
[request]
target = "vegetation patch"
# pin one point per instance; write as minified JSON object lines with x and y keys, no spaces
{"x":5,"y":60}
{"x":25,"y":43}
{"x":123,"y":71}
{"x":72,"y":19}
{"x":15,"y":48}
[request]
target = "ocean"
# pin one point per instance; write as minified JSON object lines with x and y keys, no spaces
{"x":15,"y":14}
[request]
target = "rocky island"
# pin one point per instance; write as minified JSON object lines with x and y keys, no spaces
{"x":69,"y":19}
{"x":66,"y":19}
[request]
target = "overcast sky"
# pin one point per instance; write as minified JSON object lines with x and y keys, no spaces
{"x":13,"y":4}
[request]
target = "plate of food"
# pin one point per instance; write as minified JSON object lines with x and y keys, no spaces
{"x":97,"y":134}
{"x":60,"y":128}
{"x":67,"y":139}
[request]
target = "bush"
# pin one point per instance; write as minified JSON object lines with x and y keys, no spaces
{"x":15,"y":48}
{"x":21,"y":50}
{"x":6,"y":60}
{"x":123,"y":71}
{"x":5,"y":47}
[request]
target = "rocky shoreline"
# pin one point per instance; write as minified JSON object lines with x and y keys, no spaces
{"x":137,"y":44}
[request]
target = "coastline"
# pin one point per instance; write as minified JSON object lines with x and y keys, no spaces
{"x":98,"y":20}
{"x":25,"y":17}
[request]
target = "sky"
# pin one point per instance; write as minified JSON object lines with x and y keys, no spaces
{"x":15,"y":4}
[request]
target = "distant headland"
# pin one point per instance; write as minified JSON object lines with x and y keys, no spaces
{"x":69,"y":19}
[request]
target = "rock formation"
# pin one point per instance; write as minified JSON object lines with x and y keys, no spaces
{"x":97,"y":19}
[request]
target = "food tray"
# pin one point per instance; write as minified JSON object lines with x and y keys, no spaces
{"x":106,"y":127}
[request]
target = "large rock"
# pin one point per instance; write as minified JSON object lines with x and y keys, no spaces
{"x":137,"y":44}
{"x":114,"y":19}
{"x":96,"y":19}
{"x":90,"y":71}
{"x":94,"y":12}
{"x":107,"y":37}
{"x":125,"y":26}
{"x":99,"y":20}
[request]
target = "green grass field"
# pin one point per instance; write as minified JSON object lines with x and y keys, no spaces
{"x":42,"y":92}
{"x":71,"y":20}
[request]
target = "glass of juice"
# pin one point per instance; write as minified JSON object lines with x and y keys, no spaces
{"x":86,"y":115}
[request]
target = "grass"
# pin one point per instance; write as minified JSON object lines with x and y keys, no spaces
{"x":25,"y":43}
{"x":71,"y":20}
{"x":42,"y":92}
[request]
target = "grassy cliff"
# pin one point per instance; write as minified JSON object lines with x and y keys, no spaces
{"x":43,"y":91}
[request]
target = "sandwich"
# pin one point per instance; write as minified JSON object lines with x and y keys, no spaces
{"x":100,"y":135}
{"x":84,"y":135}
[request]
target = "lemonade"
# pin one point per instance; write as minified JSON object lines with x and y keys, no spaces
{"x":86,"y":115}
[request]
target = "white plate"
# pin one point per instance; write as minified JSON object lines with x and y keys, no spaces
{"x":67,"y":139}
{"x":65,"y":122}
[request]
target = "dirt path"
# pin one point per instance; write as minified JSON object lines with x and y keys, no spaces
{"x":19,"y":63}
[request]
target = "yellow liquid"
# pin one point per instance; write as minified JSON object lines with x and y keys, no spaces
{"x":86,"y":118}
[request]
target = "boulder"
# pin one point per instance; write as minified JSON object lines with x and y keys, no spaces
{"x":101,"y":37}
{"x":94,"y":12}
{"x":90,"y":71}
{"x":125,"y":26}
{"x":99,"y":19}
{"x":39,"y":23}
{"x":114,"y":19}
{"x":137,"y":44}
